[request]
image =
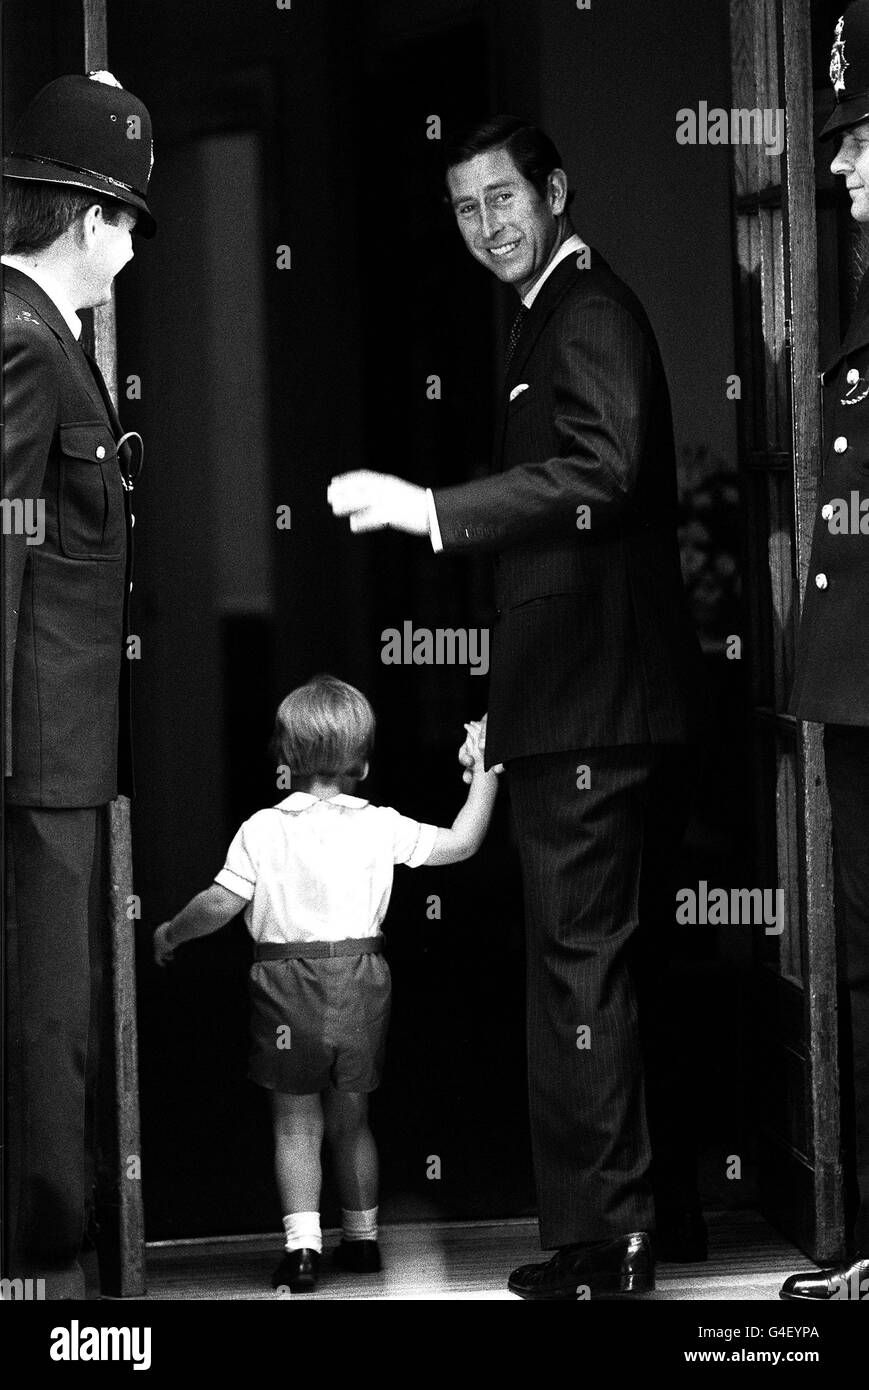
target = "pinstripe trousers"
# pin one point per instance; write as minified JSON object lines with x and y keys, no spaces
{"x":581,"y":850}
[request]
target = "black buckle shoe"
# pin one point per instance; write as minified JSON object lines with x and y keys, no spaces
{"x":845,"y":1282}
{"x":297,"y":1271}
{"x":613,"y":1269}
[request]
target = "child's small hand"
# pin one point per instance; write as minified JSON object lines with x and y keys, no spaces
{"x":474,"y":745}
{"x":473,"y":750}
{"x":163,"y":952}
{"x":469,"y":750}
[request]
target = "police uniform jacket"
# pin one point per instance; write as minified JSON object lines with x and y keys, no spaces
{"x":593,"y":644}
{"x":66,"y":697}
{"x":831,"y":683}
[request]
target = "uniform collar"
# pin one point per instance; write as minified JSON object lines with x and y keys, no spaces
{"x":18,"y":283}
{"x":303,"y":801}
{"x":52,"y":287}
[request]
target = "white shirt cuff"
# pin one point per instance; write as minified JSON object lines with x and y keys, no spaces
{"x":424,"y":846}
{"x":235,"y":883}
{"x":434,"y":529}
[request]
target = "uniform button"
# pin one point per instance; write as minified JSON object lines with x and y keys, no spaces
{"x":101,"y":452}
{"x":820,"y":581}
{"x":853,"y":377}
{"x":840,"y":444}
{"x":827,"y":512}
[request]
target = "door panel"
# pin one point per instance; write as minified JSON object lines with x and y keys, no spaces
{"x":777,"y":324}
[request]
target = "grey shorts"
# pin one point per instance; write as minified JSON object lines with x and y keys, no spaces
{"x":319,"y":1020}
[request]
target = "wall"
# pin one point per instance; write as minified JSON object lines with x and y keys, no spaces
{"x":615,"y":76}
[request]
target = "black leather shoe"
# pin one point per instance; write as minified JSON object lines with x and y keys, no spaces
{"x":357,"y":1256}
{"x":846,"y":1282}
{"x":613,"y":1268}
{"x":680,"y":1237}
{"x":297,"y":1271}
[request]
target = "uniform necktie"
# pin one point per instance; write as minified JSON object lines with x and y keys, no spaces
{"x":515,"y":332}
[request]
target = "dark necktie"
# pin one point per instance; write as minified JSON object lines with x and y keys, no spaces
{"x":515,"y":332}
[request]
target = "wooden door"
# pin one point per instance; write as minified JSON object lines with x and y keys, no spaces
{"x":795,"y":1046}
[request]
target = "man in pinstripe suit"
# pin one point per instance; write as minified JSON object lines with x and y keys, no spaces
{"x":594,"y":685}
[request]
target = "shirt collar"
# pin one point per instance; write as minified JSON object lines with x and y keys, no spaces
{"x":303,"y":801}
{"x":52,"y":287}
{"x":571,"y":246}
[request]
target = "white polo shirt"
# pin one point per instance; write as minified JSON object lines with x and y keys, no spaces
{"x":315,"y":870}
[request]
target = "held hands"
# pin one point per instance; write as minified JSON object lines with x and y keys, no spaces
{"x":375,"y":500}
{"x":472,"y":751}
{"x":163,"y":952}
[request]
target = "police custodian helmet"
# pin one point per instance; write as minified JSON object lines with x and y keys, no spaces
{"x":849,"y":70}
{"x":91,"y":133}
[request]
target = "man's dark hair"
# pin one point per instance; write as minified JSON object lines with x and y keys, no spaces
{"x":531,"y":149}
{"x":36,"y":214}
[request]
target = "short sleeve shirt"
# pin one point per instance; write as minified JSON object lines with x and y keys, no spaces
{"x":315,"y":870}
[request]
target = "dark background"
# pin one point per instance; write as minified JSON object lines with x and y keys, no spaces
{"x":307,"y":128}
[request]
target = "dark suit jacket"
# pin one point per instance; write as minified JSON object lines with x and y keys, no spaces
{"x":593,"y":645}
{"x":66,"y":705}
{"x":831,"y":683}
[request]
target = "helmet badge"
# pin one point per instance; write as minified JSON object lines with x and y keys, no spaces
{"x":838,"y":61}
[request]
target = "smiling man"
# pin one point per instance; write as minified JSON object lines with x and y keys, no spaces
{"x":594,"y":681}
{"x":831,"y":685}
{"x":506,"y":224}
{"x":75,"y":179}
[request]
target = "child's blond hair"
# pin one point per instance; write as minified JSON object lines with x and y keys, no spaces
{"x":324,"y":728}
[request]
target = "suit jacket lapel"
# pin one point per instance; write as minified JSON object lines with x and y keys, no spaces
{"x":17,"y":283}
{"x":553,"y":291}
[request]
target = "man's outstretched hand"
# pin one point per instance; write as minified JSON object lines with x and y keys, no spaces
{"x":375,"y":500}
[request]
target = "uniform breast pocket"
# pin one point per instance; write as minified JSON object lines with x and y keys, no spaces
{"x":90,"y":504}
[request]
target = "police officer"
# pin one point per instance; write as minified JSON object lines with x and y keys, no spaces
{"x":75,"y":184}
{"x":832,"y":675}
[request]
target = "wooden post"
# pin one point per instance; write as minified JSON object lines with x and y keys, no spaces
{"x":777,"y":342}
{"x":119,"y":1187}
{"x":814,"y":807}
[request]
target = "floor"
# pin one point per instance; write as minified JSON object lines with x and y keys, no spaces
{"x":748,"y":1260}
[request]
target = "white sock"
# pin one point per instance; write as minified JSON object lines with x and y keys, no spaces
{"x":359,"y":1225}
{"x":302,"y":1231}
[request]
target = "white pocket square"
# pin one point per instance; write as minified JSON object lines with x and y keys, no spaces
{"x":517,"y":390}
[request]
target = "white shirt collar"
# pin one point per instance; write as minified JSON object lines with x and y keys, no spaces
{"x":571,"y":246}
{"x":53,"y":288}
{"x":302,"y":801}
